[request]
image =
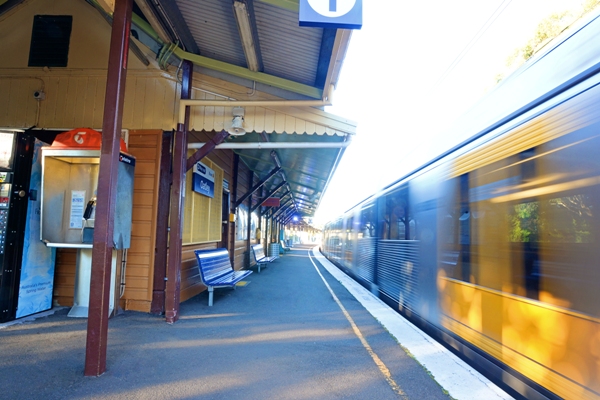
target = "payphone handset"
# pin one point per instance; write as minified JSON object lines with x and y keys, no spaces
{"x":89,"y":209}
{"x":87,"y":232}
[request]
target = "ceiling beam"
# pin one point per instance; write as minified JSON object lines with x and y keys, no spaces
{"x":243,"y":12}
{"x":8,"y":4}
{"x":107,"y":5}
{"x":256,"y":187}
{"x":327,"y":42}
{"x":169,"y":11}
{"x":153,"y":20}
{"x":270,"y":194}
{"x":338,"y":53}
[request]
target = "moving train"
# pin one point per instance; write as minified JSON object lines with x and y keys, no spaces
{"x":493,"y":247}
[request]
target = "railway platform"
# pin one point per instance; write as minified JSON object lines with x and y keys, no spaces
{"x":298,"y":330}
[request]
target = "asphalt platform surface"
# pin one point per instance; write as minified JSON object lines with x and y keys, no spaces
{"x":282,"y":336}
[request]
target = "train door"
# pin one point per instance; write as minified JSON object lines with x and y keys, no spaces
{"x":366,"y":244}
{"x":397,"y":260}
{"x":423,"y":201}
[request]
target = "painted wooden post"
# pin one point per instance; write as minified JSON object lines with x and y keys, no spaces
{"x":173,"y":287}
{"x":162,"y":227}
{"x":97,"y":328}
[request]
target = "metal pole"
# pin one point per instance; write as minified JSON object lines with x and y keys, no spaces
{"x":97,"y":328}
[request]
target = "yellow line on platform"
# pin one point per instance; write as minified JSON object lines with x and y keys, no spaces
{"x":382,"y":367}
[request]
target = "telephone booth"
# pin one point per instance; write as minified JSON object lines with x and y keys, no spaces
{"x":70,"y":170}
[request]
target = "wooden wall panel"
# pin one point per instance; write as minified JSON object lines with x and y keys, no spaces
{"x":76,"y":99}
{"x":145,"y":146}
{"x":64,"y":277}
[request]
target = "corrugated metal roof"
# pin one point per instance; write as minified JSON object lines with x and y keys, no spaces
{"x":214,"y":29}
{"x":288,"y":50}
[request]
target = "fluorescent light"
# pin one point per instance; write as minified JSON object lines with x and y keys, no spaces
{"x":245,"y":28}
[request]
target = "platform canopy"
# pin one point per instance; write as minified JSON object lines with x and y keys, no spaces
{"x":259,"y":45}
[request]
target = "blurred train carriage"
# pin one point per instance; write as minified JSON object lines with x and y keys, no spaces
{"x":494,"y":246}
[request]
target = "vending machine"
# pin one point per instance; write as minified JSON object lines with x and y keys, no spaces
{"x":26,"y":265}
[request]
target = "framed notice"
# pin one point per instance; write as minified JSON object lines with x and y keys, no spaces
{"x":77,"y":206}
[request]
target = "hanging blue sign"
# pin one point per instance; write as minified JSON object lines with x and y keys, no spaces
{"x":342,"y":14}
{"x":203,"y":180}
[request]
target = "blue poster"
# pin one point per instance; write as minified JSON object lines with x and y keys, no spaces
{"x":203,"y":180}
{"x":37,"y":268}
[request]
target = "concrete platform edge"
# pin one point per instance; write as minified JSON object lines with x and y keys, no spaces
{"x":455,"y":376}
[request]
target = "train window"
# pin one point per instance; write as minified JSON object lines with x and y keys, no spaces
{"x":533,"y":220}
{"x":367,"y":222}
{"x":568,"y":217}
{"x":455,"y":255}
{"x":524,"y":222}
{"x":399,"y":220}
{"x":495,"y":260}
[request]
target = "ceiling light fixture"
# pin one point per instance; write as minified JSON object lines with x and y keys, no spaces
{"x":237,"y":124}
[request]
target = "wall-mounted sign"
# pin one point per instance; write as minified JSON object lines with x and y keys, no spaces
{"x":203,"y":180}
{"x":124,"y":158}
{"x":343,"y":14}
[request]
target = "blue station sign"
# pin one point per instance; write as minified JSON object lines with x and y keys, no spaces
{"x":203,"y":180}
{"x":343,"y":14}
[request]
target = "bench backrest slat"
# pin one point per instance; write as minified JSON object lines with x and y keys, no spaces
{"x":258,"y":251}
{"x":213,"y":264}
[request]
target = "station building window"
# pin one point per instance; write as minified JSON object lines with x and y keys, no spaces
{"x":50,"y":39}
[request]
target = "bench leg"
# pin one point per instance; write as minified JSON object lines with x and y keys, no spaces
{"x":210,"y":295}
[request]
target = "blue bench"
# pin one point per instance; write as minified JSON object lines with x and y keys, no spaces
{"x":216,"y":270}
{"x":259,"y":256}
{"x":284,"y":248}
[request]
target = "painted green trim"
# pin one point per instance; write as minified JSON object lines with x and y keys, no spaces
{"x":146,"y":27}
{"x":242,"y":72}
{"x":231,"y":69}
{"x":291,"y":5}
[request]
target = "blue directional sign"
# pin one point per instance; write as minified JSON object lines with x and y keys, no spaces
{"x":203,"y":180}
{"x":343,"y":14}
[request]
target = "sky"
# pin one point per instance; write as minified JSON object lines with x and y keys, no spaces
{"x":414,"y":68}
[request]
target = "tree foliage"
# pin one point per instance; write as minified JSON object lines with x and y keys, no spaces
{"x":549,"y":28}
